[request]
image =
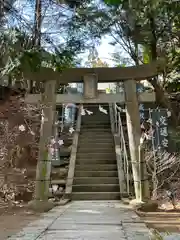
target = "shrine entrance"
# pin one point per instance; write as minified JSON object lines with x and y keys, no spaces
{"x":91,"y":77}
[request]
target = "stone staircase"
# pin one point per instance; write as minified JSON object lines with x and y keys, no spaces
{"x":96,"y":175}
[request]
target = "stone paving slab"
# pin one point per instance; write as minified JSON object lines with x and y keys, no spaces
{"x":83,"y":227}
{"x":135,"y":231}
{"x":87,"y":220}
{"x":33,"y":230}
{"x":83,"y":235}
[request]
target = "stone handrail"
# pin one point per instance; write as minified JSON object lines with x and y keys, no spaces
{"x":72,"y":161}
{"x":124,"y":190}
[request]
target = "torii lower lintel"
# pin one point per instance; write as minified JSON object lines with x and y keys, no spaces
{"x":114,"y":74}
{"x":101,"y":98}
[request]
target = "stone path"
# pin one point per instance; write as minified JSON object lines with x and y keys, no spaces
{"x":87,"y":220}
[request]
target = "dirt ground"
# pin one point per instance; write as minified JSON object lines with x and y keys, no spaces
{"x":166,"y":219}
{"x":13,"y":220}
{"x":167,"y":222}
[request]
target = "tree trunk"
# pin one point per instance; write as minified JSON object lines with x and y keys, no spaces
{"x":160,"y":94}
{"x":37,"y":35}
{"x":37,"y":23}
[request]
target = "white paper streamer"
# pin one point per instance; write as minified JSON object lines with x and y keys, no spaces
{"x":71,"y":130}
{"x":89,"y":112}
{"x":60,"y":142}
{"x":168,"y":114}
{"x":22,"y":128}
{"x":83,"y":111}
{"x":101,"y":109}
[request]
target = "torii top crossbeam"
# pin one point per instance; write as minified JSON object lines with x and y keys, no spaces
{"x":114,"y":74}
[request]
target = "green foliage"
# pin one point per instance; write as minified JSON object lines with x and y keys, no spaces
{"x":144,"y":29}
{"x":173,"y":86}
{"x":155,"y":235}
{"x":113,"y":2}
{"x":146,"y":54}
{"x":57,"y":51}
{"x":72,"y":3}
{"x":18,"y":54}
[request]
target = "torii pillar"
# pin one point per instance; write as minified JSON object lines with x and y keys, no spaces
{"x":43,"y":171}
{"x":134,"y":135}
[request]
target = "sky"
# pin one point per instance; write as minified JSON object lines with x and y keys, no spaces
{"x":104,"y":49}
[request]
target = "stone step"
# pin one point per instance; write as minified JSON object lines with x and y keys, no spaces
{"x":56,"y":163}
{"x":97,"y":167}
{"x":93,"y":126}
{"x":96,"y":130}
{"x":95,"y":180}
{"x":93,"y":155}
{"x":64,"y":152}
{"x":95,"y":135}
{"x":91,"y":140}
{"x":95,"y":161}
{"x":96,"y":138}
{"x":88,"y":149}
{"x":96,"y":188}
{"x":58,"y":194}
{"x":97,"y":117}
{"x":60,"y":182}
{"x":106,"y":105}
{"x":96,"y":123}
{"x":94,"y":120}
{"x":57,"y":173}
{"x":99,"y":144}
{"x":95,"y":104}
{"x":95,"y":173}
{"x":95,"y":196}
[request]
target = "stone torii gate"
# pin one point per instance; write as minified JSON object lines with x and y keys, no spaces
{"x":91,"y":77}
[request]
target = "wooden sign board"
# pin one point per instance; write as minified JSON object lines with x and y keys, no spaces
{"x":160,"y":125}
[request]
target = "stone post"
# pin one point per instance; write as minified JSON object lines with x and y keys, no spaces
{"x":144,"y":183}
